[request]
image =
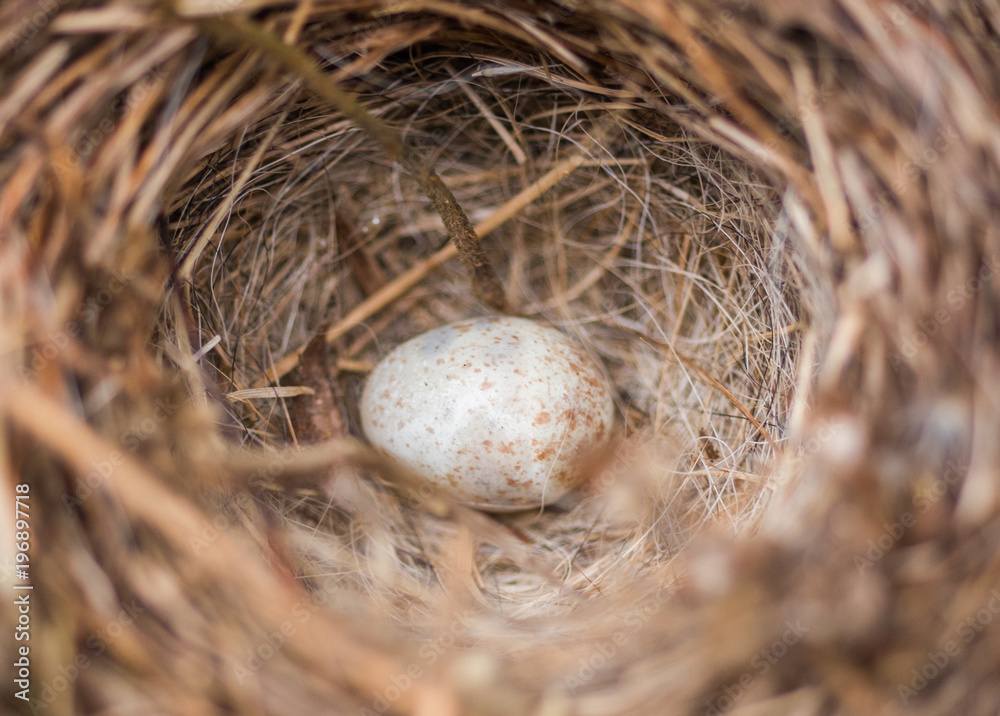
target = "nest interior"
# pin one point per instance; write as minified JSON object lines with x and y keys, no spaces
{"x":772,"y":226}
{"x":654,"y":244}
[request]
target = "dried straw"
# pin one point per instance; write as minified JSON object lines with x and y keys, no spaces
{"x":772,"y":224}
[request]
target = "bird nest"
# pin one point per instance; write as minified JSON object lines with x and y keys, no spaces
{"x":771,"y":227}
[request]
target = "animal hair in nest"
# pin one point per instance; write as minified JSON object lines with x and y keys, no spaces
{"x":653,"y":253}
{"x":772,"y":225}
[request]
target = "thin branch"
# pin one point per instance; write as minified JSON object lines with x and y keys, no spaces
{"x":485,"y":282}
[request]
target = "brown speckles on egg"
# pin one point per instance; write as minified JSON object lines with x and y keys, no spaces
{"x":496,"y":410}
{"x":454,"y":478}
{"x":568,"y":478}
{"x":546,"y":453}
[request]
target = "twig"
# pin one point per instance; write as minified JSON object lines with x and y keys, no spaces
{"x":404,"y":282}
{"x":281,"y":391}
{"x":486,"y":285}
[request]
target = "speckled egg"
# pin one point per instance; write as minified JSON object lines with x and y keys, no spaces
{"x":500,"y":412}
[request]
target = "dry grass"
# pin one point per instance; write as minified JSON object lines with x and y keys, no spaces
{"x":774,"y":227}
{"x":651,"y":253}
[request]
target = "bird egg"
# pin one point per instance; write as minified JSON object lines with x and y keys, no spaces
{"x":499,"y":412}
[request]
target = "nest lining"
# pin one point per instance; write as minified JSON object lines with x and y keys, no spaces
{"x":655,"y":254}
